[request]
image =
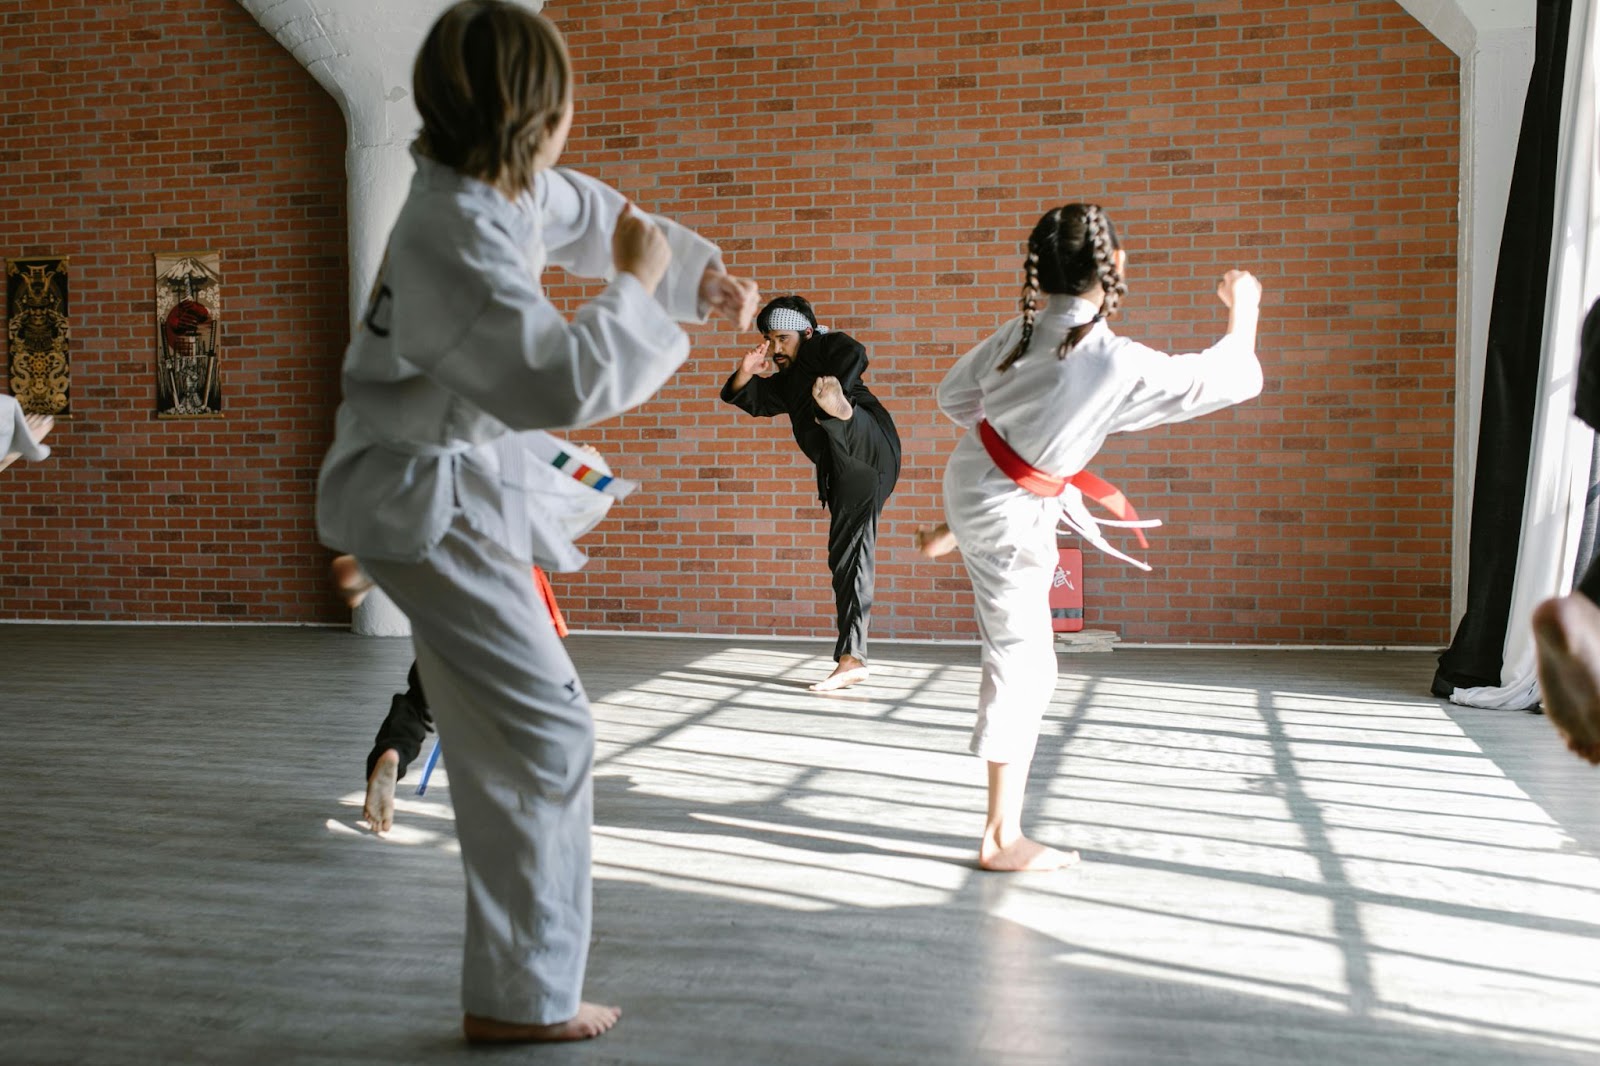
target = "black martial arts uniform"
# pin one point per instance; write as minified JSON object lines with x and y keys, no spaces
{"x":857,"y":459}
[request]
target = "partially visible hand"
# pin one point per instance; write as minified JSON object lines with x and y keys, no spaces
{"x":638,"y":247}
{"x":934,"y":541}
{"x":1239,"y":288}
{"x":39,"y":425}
{"x":734,"y":299}
{"x":758,"y":361}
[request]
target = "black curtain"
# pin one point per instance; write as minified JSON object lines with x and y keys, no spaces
{"x":1511,"y":372}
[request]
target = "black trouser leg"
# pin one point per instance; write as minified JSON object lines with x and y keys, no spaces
{"x":852,"y":538}
{"x":1589,"y":584}
{"x":406,"y":727}
{"x":865,"y":451}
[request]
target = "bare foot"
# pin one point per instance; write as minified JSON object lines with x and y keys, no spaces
{"x":591,"y":1020}
{"x":830,"y":397}
{"x":934,"y":541}
{"x":850,"y":671}
{"x":1021,"y":855}
{"x":1566,"y":633}
{"x":379,"y":807}
{"x":349,"y":580}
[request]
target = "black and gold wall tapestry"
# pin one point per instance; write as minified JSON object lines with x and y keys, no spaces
{"x":188,"y":334}
{"x":36,"y":328}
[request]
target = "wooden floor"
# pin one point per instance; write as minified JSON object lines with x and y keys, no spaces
{"x":1290,"y":857}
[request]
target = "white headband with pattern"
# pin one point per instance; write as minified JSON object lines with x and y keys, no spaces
{"x":789,"y":319}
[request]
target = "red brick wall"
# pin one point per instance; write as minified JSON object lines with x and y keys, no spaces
{"x":142,"y":126}
{"x":887,"y":158}
{"x":884,"y":158}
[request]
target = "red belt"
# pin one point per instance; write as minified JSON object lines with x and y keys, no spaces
{"x":1032,"y":479}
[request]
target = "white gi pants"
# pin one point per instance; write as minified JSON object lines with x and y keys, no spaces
{"x":1008,"y":543}
{"x":519,"y":743}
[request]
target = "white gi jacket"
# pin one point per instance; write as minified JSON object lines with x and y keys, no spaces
{"x":460,"y":352}
{"x":1057,"y":413}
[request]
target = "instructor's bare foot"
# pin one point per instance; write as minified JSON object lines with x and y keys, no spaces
{"x":1021,"y":855}
{"x":378,"y":811}
{"x":934,"y":541}
{"x":850,"y":671}
{"x":591,"y":1020}
{"x":830,"y":397}
{"x":1566,"y":633}
{"x":349,"y":580}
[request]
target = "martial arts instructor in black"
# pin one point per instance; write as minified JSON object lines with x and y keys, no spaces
{"x":813,"y":375}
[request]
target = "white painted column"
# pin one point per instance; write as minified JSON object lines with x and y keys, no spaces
{"x":1494,"y":41}
{"x":362,"y":52}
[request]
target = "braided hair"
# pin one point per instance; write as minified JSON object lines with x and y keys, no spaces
{"x":1071,"y":251}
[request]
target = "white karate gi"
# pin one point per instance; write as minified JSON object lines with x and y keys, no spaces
{"x":1055,"y":414}
{"x":429,"y":484}
{"x":14,"y":434}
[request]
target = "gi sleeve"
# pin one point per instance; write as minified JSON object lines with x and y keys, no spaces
{"x":14,"y":433}
{"x":511,"y":353}
{"x":1176,"y":388}
{"x":960,"y":394}
{"x":757,"y":398}
{"x":579,"y":216}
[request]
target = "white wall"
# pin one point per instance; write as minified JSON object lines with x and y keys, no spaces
{"x":1494,"y":40}
{"x":361,"y":51}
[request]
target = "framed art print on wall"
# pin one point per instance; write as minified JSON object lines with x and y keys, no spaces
{"x":188,"y":334}
{"x":38,"y":335}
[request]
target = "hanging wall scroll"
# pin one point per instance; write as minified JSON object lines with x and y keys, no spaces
{"x":188,"y":334}
{"x":37,"y":335}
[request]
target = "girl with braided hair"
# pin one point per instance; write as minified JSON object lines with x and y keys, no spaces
{"x":1040,"y":397}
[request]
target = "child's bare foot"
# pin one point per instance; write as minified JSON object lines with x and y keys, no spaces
{"x":934,"y":541}
{"x":1566,"y":633}
{"x":378,"y":811}
{"x":1021,"y":855}
{"x":349,"y":580}
{"x":850,"y":671}
{"x":591,"y":1020}
{"x":830,"y":397}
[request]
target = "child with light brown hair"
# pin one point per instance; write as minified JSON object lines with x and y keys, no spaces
{"x":430,"y":482}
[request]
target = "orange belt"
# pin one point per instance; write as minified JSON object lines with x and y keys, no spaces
{"x":541,"y":583}
{"x":1032,"y":479}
